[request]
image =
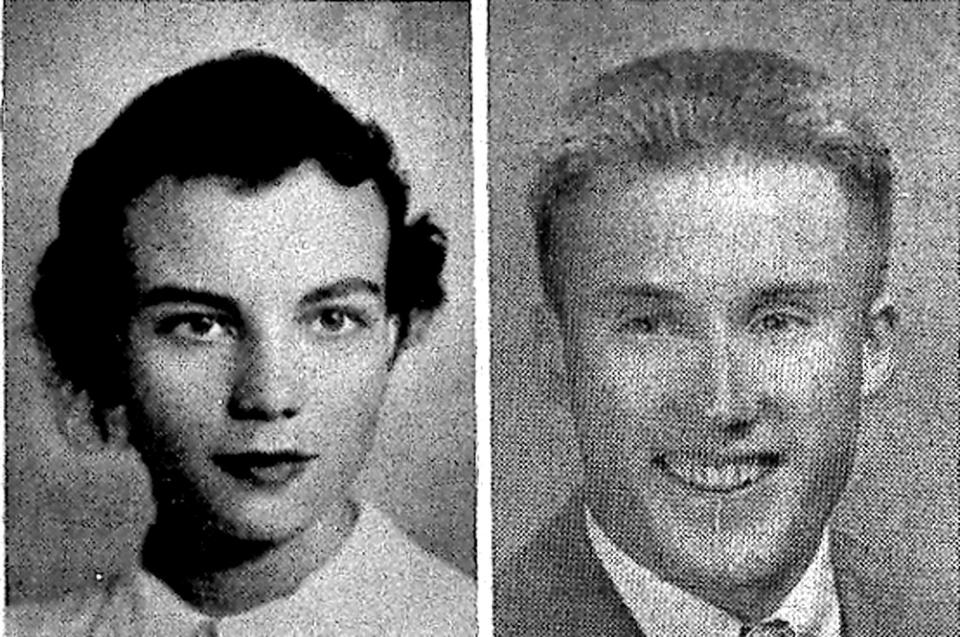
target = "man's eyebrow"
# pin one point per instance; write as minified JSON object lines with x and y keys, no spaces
{"x":342,"y":288}
{"x":770,"y":291}
{"x":788,"y":289}
{"x":177,"y":294}
{"x":640,"y":291}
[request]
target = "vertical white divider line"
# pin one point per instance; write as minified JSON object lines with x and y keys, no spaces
{"x":3,"y":353}
{"x":481,"y":324}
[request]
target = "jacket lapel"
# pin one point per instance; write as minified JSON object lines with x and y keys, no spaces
{"x":867,"y":605}
{"x":557,"y":585}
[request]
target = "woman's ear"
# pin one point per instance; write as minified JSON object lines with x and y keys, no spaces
{"x":88,"y":429}
{"x":878,"y":347}
{"x":417,"y":324}
{"x":76,"y":421}
{"x":116,"y":427}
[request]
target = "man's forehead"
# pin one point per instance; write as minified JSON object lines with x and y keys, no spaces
{"x":751,"y":218}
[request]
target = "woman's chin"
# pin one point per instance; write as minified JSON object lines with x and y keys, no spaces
{"x":268,"y":522}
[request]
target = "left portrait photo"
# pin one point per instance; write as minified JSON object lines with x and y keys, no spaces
{"x":239,"y":314}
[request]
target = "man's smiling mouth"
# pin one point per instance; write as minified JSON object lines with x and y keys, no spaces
{"x":719,"y":474}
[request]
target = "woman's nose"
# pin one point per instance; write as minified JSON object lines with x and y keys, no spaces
{"x":268,"y":383}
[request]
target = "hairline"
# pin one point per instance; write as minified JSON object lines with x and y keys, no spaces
{"x":861,"y":205}
{"x":661,"y":109}
{"x":169,"y":184}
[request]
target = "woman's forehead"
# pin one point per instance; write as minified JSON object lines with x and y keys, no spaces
{"x":306,"y":230}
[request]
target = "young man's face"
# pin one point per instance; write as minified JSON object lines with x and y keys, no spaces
{"x":713,"y":327}
{"x":260,"y":352}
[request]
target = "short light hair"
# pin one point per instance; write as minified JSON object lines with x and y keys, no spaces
{"x":657,"y":111}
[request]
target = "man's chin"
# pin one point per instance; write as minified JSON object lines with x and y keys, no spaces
{"x":746,"y":545}
{"x":731,"y":561}
{"x":691,"y":535}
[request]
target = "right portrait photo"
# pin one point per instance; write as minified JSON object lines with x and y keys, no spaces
{"x":723,"y":315}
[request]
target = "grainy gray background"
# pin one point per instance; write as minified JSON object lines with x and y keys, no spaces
{"x":69,"y":70}
{"x":900,"y":60}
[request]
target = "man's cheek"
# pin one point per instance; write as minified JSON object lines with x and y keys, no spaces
{"x":798,"y":376}
{"x":817,"y":393}
{"x":616,"y":403}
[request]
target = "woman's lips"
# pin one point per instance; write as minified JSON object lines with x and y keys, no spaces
{"x":721,"y":475}
{"x":264,"y":469}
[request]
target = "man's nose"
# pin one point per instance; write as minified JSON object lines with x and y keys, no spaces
{"x":732,"y":397}
{"x":268,"y":382}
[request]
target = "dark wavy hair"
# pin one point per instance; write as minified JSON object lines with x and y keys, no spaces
{"x":695,"y":103}
{"x":250,"y":117}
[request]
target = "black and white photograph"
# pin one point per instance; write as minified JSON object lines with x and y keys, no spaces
{"x":238,"y":319}
{"x":724,"y":318}
{"x":533,"y":318}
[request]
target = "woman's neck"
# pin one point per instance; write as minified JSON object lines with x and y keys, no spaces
{"x":222,"y":575}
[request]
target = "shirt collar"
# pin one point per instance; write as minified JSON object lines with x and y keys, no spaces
{"x":811,"y":608}
{"x":170,"y":615}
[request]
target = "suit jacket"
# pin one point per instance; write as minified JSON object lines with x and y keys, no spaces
{"x":557,"y":585}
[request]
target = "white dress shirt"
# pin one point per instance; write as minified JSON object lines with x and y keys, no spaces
{"x":663,"y":610}
{"x":379,"y":583}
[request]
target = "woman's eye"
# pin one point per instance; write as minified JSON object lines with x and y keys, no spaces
{"x":780,"y":322}
{"x":338,"y":321}
{"x":196,"y":327}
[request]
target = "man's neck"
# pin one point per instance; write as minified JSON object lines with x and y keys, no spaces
{"x":221,"y":575}
{"x":749,"y":601}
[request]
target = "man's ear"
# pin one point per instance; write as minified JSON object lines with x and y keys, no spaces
{"x":878,"y":347}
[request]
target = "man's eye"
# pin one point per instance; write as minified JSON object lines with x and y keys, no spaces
{"x":196,"y":327}
{"x":639,"y":324}
{"x":338,"y":321}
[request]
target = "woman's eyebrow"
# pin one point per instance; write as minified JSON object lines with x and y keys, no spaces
{"x":177,"y":294}
{"x":342,"y":288}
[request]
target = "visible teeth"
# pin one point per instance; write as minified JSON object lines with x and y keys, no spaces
{"x":713,"y":475}
{"x":725,"y":477}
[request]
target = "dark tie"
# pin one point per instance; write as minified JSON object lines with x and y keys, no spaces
{"x":772,"y":628}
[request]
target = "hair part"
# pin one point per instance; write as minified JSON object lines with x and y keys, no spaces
{"x":694,"y":104}
{"x":250,"y":117}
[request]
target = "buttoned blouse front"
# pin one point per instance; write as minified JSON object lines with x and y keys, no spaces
{"x":379,"y":583}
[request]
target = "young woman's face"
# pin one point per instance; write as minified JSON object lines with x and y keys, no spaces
{"x":260,"y":349}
